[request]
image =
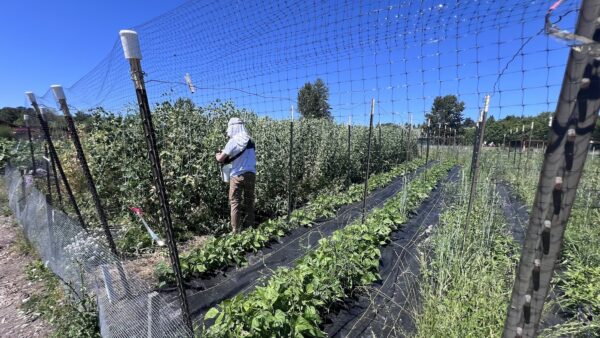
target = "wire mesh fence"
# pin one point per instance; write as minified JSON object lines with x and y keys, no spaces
{"x":81,"y":259}
{"x":418,"y":60}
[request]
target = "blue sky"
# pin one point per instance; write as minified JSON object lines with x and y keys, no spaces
{"x":47,"y":42}
{"x":258,"y":54}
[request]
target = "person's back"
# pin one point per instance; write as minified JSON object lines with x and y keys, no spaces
{"x":240,"y":152}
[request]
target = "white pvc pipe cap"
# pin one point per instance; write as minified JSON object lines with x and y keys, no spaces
{"x":131,"y":44}
{"x":58,"y":91}
{"x":31,"y":97}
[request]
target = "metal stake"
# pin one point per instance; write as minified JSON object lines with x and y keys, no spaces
{"x":54,"y":156}
{"x":364,"y":206}
{"x":130,"y":42}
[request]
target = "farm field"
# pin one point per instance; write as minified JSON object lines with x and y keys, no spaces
{"x":300,"y":169}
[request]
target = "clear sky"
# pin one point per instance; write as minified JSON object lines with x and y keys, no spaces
{"x":46,"y":42}
{"x":259,"y":53}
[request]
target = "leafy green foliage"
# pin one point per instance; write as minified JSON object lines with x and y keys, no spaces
{"x":7,"y":150}
{"x":312,"y":100}
{"x":188,"y":136}
{"x":446,"y":111}
{"x":70,"y":314}
{"x":230,"y":249}
{"x":292,"y":302}
{"x":466,"y":279}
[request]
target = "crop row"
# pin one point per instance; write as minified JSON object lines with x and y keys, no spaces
{"x":466,"y":274}
{"x":230,"y":249}
{"x":188,"y":136}
{"x":578,"y":272}
{"x":293,"y":301}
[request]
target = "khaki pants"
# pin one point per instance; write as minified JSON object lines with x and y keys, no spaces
{"x":241,"y":199}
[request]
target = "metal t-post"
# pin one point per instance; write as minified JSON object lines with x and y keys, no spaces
{"x":349,"y":169}
{"x":289,"y":185}
{"x":48,"y":182}
{"x":428,"y":133}
{"x":475,"y":166}
{"x":408,"y":141}
{"x":26,"y":119}
{"x":529,"y":143}
{"x":56,"y":181}
{"x":131,"y":47}
{"x":54,"y":156}
{"x":62,"y":100}
{"x":364,"y":206}
{"x":564,"y":160}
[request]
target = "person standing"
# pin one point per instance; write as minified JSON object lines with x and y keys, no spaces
{"x":240,"y":153}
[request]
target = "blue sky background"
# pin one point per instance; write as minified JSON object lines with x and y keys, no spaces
{"x":258,"y":54}
{"x":48,"y":42}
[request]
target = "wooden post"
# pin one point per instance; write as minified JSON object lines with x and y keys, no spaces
{"x":408,"y":141}
{"x":364,"y":206}
{"x":131,"y":47}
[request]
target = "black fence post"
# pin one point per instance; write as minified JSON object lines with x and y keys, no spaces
{"x":290,"y":171}
{"x":364,"y":206}
{"x":131,"y":47}
{"x":54,"y":156}
{"x":475,"y":166}
{"x":26,"y":119}
{"x":62,"y":100}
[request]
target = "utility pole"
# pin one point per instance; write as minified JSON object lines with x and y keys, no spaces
{"x":131,"y":47}
{"x":569,"y":136}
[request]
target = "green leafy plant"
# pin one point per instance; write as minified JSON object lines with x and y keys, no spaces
{"x":231,"y":249}
{"x":293,"y":301}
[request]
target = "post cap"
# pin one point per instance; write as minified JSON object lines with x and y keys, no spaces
{"x":31,"y":97}
{"x":58,"y":91}
{"x":131,"y":44}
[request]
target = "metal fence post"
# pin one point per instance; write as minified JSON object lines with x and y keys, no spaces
{"x":475,"y":165}
{"x":131,"y":48}
{"x":26,"y":119}
{"x":290,"y":171}
{"x":54,"y":156}
{"x":59,"y":94}
{"x":364,"y":206}
{"x":566,"y":153}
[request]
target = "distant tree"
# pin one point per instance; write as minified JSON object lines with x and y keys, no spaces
{"x":14,"y":114}
{"x":468,"y":123}
{"x":446,"y":111}
{"x":312,"y":100}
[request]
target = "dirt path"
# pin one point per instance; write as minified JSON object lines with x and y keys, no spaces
{"x":15,"y":288}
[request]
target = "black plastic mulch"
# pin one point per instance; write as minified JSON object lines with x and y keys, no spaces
{"x":384,"y":309}
{"x":281,"y":254}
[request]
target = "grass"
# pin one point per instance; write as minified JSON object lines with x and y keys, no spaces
{"x":72,"y":313}
{"x":465,"y":288}
{"x":577,"y":278}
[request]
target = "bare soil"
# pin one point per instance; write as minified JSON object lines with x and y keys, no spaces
{"x":15,"y":289}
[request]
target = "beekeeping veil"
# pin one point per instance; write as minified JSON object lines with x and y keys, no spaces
{"x":237,"y":131}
